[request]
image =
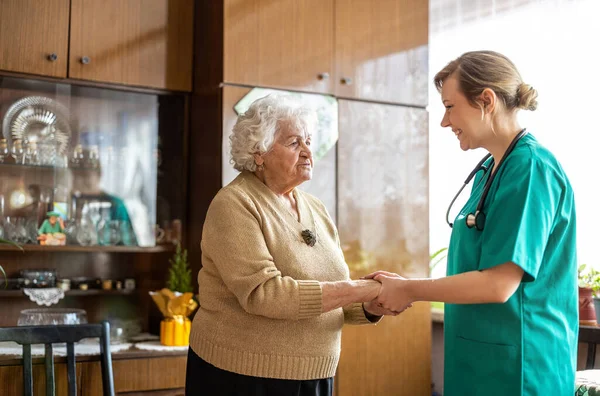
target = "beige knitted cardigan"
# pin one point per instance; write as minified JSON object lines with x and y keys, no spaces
{"x":260,"y":300}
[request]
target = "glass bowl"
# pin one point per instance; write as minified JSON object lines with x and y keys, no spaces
{"x":52,"y":316}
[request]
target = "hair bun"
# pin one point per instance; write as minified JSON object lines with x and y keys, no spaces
{"x":527,"y":97}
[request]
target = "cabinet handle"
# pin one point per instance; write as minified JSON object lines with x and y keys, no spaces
{"x":346,"y":81}
{"x":85,"y":60}
{"x":52,"y":57}
{"x":323,"y":76}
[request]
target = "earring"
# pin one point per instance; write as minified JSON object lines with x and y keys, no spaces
{"x":260,"y":168}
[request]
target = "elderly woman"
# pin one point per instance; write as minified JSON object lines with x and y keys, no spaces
{"x":274,"y":287}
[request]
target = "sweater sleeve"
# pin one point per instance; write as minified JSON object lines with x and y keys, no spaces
{"x":354,"y":314}
{"x":233,"y":240}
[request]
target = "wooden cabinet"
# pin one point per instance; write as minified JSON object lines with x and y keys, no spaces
{"x":34,"y":36}
{"x":152,"y":375}
{"x":282,"y":43}
{"x":145,"y":43}
{"x":381,"y":50}
{"x":392,"y":358}
{"x":382,"y":223}
{"x":350,"y":48}
{"x":134,"y":42}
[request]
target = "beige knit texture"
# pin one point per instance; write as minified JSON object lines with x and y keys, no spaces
{"x":260,"y":299}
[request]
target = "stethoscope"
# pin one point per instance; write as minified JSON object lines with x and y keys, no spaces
{"x":477,"y":219}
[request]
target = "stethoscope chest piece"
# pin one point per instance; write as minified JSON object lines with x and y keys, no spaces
{"x":476,"y":220}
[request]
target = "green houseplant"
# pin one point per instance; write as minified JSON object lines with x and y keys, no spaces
{"x":588,"y":280}
{"x":180,"y":274}
{"x":435,"y":259}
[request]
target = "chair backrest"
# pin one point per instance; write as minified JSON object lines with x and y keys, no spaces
{"x":591,"y":336}
{"x":28,"y":335}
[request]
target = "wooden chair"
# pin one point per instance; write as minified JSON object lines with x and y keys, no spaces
{"x":591,"y":336}
{"x":28,"y":335}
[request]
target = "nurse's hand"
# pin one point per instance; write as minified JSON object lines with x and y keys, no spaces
{"x":393,"y":295}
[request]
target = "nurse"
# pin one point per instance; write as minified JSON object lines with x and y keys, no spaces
{"x":511,"y":318}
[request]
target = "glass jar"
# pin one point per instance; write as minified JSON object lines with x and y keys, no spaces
{"x":4,"y":151}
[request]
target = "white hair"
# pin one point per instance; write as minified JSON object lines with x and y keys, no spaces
{"x":255,"y":130}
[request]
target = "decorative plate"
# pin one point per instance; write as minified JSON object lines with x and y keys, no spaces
{"x":38,"y":119}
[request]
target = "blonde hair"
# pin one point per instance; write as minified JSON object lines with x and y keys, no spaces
{"x":478,"y":70}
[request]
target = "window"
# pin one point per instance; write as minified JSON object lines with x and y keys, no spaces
{"x":551,"y":42}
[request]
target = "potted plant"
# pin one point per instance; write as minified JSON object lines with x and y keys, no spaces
{"x":593,"y":281}
{"x":180,"y":274}
{"x":434,"y":260}
{"x":589,"y":284}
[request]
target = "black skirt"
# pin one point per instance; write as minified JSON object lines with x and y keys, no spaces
{"x":204,"y":379}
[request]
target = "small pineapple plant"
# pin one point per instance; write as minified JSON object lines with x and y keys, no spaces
{"x":180,"y":274}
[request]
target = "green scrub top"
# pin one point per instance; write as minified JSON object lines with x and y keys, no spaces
{"x":528,"y":345}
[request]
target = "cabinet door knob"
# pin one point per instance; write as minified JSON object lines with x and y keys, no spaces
{"x":323,"y":76}
{"x":85,"y":60}
{"x":346,"y":81}
{"x":52,"y":57}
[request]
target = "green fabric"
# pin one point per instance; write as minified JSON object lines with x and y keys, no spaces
{"x":118,"y":211}
{"x":47,"y":228}
{"x":528,"y":345}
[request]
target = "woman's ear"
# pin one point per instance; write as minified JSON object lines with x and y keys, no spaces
{"x":488,"y":100}
{"x":258,"y":159}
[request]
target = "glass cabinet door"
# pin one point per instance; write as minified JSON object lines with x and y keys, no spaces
{"x":78,"y":165}
{"x":383,"y":188}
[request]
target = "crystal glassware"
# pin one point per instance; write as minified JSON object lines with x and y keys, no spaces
{"x":52,"y":316}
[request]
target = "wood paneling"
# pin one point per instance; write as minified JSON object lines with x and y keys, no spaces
{"x":30,"y":31}
{"x":134,"y":42}
{"x":391,"y":358}
{"x":279,"y":43}
{"x":11,"y":379}
{"x":382,"y":49}
{"x":156,"y":375}
{"x":137,"y":375}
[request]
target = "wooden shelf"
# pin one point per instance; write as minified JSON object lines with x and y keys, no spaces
{"x":91,"y":249}
{"x":75,"y":292}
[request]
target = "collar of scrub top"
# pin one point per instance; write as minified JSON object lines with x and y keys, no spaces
{"x":477,"y":219}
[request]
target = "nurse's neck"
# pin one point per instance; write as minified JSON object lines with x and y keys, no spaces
{"x":501,"y":139}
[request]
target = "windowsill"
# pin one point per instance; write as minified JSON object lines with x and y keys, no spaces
{"x":437,"y":315}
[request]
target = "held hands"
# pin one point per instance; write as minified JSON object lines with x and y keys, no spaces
{"x":375,"y":310}
{"x":393,"y":296}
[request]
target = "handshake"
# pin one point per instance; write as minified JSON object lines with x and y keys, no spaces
{"x":390,"y":296}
